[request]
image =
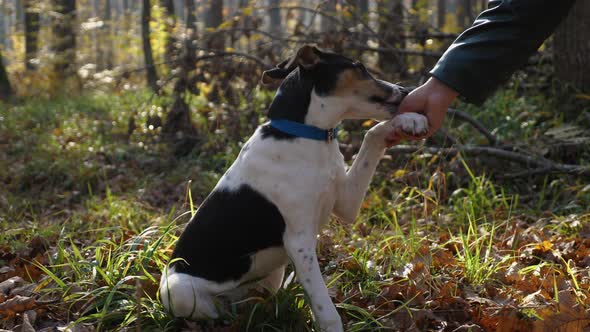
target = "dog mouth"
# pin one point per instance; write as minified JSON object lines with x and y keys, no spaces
{"x":389,"y":105}
{"x":384,"y":101}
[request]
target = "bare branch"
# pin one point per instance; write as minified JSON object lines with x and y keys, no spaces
{"x":473,"y":122}
{"x":539,"y":164}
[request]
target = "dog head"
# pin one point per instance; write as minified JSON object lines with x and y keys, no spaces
{"x":323,"y":88}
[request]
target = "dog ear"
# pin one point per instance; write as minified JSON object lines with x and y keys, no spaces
{"x":276,"y":74}
{"x":307,"y":57}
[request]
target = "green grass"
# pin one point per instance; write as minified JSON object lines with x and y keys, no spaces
{"x":109,"y":207}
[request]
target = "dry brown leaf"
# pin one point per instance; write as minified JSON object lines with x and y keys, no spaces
{"x":443,"y":258}
{"x":7,"y":285}
{"x":16,"y":305}
{"x":512,"y":273}
{"x":570,"y":316}
{"x":512,"y":323}
{"x":28,"y":320}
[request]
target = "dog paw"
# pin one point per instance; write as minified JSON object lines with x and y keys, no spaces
{"x":412,"y":124}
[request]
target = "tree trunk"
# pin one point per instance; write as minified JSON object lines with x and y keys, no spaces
{"x":7,"y":22}
{"x":65,"y":39}
{"x":466,"y":13}
{"x":5,"y":88}
{"x":363,"y":13}
{"x":3,"y":25}
{"x":484,"y":5}
{"x":191,"y":24}
{"x":391,"y":27}
{"x":213,"y":19}
{"x":572,"y":47}
{"x":20,"y":14}
{"x":31,"y":33}
{"x":441,"y":12}
{"x":179,"y":9}
{"x":178,"y":127}
{"x":151,"y":75}
{"x":275,"y":17}
{"x":329,"y":8}
{"x":107,"y":36}
{"x":169,"y":25}
{"x":96,"y":36}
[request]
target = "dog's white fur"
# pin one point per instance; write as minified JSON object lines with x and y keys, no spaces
{"x":307,"y":180}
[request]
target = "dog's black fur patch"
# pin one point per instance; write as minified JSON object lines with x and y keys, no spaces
{"x":292,"y":99}
{"x":228,"y":228}
{"x":268,"y":131}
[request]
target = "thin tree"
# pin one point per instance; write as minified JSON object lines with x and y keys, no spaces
{"x":5,"y":87}
{"x":3,"y":24}
{"x":329,"y":8}
{"x":275,"y":16}
{"x":363,"y":13}
{"x":169,"y":25}
{"x":20,"y":14}
{"x":151,"y":75}
{"x":572,"y":49}
{"x":31,"y":33}
{"x":107,"y":36}
{"x":391,"y":28}
{"x":213,"y":19}
{"x":466,"y":13}
{"x":64,"y":38}
{"x":441,"y":13}
{"x":178,"y":126}
{"x":191,"y":24}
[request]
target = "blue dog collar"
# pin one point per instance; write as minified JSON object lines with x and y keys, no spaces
{"x":303,"y":130}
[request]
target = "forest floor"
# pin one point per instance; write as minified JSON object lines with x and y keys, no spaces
{"x":91,"y":204}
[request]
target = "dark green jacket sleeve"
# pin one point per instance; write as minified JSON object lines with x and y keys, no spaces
{"x":500,"y":41}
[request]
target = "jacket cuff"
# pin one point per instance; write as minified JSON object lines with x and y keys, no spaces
{"x":456,"y":79}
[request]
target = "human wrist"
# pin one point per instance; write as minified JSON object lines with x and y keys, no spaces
{"x":443,"y":93}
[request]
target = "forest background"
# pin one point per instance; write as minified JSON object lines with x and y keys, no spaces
{"x":117,"y":118}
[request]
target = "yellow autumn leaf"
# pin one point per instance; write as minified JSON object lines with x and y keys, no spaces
{"x":544,"y":246}
{"x":399,"y":173}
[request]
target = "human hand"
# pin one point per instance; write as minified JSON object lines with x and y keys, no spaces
{"x":432,"y":99}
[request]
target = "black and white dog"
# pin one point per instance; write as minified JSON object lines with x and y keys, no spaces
{"x":270,"y":205}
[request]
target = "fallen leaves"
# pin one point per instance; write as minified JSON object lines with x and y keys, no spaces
{"x":16,"y":305}
{"x":9,"y":284}
{"x":568,"y":315}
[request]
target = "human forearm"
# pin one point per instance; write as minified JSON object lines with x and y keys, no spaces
{"x":499,"y":42}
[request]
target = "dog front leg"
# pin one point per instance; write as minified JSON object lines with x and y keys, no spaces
{"x":300,"y":247}
{"x":351,"y":193}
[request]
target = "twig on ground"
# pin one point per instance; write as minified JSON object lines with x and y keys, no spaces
{"x":464,"y":116}
{"x":538,"y":164}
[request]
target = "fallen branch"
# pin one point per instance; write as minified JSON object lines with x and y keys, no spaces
{"x":539,"y":164}
{"x":473,"y":122}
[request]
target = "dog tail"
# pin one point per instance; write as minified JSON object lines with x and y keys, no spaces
{"x":184,"y":296}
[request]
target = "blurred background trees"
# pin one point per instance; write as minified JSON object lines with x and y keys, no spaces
{"x":219,"y":48}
